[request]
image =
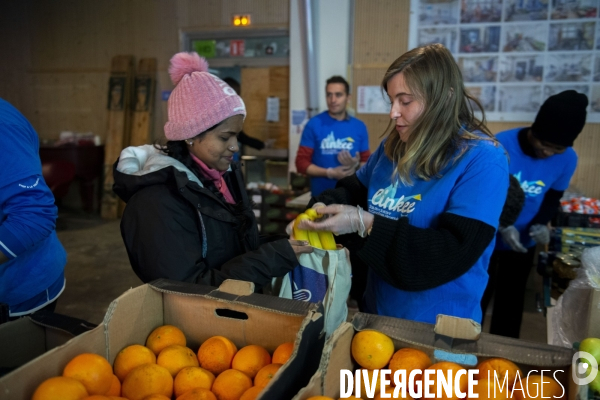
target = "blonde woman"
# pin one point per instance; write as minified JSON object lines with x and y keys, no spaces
{"x":428,"y":200}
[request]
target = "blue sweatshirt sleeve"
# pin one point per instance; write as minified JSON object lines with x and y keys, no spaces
{"x":28,"y":215}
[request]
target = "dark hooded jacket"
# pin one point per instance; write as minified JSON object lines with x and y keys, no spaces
{"x":175,"y":228}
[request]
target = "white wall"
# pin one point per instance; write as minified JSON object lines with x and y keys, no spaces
{"x":332,"y":37}
{"x":331,"y":19}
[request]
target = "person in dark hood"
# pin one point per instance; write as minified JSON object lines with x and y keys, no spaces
{"x":188,"y":216}
{"x":542,"y":159}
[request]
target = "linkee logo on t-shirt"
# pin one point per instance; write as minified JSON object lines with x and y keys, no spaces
{"x":531,"y":188}
{"x":331,"y":145}
{"x":385,"y":203}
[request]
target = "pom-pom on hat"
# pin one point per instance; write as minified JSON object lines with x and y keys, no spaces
{"x":200,"y":100}
{"x":561,"y":118}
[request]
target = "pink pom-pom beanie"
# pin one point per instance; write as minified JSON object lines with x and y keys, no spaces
{"x":199,"y":100}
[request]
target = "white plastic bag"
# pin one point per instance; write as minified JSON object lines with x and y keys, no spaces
{"x":323,"y":275}
{"x":571,"y":313}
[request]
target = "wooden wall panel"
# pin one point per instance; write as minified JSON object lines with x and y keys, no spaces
{"x":381,"y":35}
{"x":218,"y":13}
{"x":45,"y":44}
{"x":256,"y":85}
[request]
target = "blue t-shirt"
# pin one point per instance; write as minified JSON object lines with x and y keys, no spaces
{"x":536,"y":176}
{"x":327,"y":137}
{"x":473,"y":186}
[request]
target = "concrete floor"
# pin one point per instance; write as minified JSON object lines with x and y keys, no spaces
{"x":98,"y":272}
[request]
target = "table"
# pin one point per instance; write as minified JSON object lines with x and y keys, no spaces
{"x":88,"y":161}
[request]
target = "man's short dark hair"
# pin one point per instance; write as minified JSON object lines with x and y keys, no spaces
{"x":338,"y":79}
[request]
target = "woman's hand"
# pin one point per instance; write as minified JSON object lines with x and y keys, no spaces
{"x":341,"y":219}
{"x":300,"y":247}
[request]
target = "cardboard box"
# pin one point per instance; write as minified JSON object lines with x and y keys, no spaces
{"x":26,"y":338}
{"x":200,"y":312}
{"x":451,"y":339}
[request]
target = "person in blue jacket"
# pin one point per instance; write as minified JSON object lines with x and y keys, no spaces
{"x":32,"y":260}
{"x":428,"y":201}
{"x":543,"y":161}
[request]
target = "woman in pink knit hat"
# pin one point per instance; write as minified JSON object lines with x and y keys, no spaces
{"x":188,"y":217}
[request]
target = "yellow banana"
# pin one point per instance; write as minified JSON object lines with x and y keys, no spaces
{"x":327,"y":240}
{"x":312,"y":214}
{"x":300,"y":234}
{"x":313,"y":238}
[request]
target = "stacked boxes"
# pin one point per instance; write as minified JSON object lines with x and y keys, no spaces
{"x":271,"y":211}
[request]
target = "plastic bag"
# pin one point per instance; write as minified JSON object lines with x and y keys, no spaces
{"x":571,"y":313}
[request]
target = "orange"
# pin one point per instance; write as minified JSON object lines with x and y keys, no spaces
{"x":484,"y":388}
{"x":96,"y":397}
{"x":231,"y":385}
{"x":282,"y":353}
{"x":157,"y":397}
{"x":119,"y":398}
{"x":192,"y":377}
{"x":250,"y":359}
{"x":164,"y":336}
{"x":409,"y":359}
{"x":372,"y":349}
{"x":443,"y":367}
{"x":175,"y":358}
{"x":216,"y":354}
{"x":320,"y":398}
{"x":532,"y":387}
{"x":92,"y":370}
{"x":145,"y":380}
{"x":131,"y":357}
{"x":351,"y":398}
{"x":266,"y":373}
{"x":115,"y":387}
{"x":198,"y":394}
{"x":501,"y":367}
{"x":252,"y":393}
{"x":60,"y":388}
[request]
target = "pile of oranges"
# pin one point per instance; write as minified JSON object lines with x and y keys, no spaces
{"x":166,"y":369}
{"x":373,"y":350}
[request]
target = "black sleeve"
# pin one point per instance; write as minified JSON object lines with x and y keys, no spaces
{"x":163,"y":240}
{"x":273,"y":259}
{"x":549,"y":207}
{"x":348,"y":190}
{"x":414,"y":259}
{"x":250,"y":141}
{"x":515,"y":199}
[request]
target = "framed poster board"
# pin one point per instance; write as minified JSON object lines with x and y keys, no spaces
{"x":514,"y":54}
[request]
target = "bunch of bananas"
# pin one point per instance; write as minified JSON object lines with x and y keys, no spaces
{"x":320,"y":240}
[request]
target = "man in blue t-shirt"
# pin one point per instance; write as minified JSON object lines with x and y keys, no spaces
{"x":333,"y":144}
{"x":543,"y":161}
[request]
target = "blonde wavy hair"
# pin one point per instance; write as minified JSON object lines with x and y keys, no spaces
{"x":447,"y":122}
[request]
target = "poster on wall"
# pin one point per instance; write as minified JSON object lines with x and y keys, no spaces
{"x":514,"y":54}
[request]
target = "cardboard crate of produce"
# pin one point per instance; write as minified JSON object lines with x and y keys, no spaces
{"x":26,"y":338}
{"x":451,"y":337}
{"x":200,"y":312}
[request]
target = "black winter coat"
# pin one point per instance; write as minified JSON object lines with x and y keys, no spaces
{"x":173,"y":228}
